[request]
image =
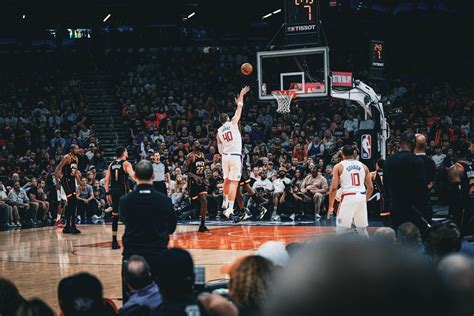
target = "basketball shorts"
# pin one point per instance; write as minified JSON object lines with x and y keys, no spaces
{"x":244,"y":177}
{"x":232,"y":167}
{"x":69,"y":186}
{"x":196,"y":189}
{"x":116,"y":195}
{"x":352,"y":208}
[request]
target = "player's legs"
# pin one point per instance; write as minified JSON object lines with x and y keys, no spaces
{"x":239,"y":198}
{"x":116,"y":195}
{"x":361,"y":220}
{"x":226,"y":186}
{"x":234,"y":165}
{"x":70,"y":214}
{"x":225,"y":189}
{"x":345,"y":215}
{"x":203,"y":211}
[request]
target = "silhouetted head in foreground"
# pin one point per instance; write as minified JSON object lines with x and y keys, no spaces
{"x":342,"y":276}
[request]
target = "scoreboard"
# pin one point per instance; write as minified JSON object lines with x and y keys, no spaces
{"x":301,"y":16}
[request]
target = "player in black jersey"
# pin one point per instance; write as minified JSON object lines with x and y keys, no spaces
{"x":376,"y":201}
{"x":195,"y":165}
{"x":461,"y":206}
{"x":116,"y":186}
{"x":66,"y":175}
{"x":244,"y":184}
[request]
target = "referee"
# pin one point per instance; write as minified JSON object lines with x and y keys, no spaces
{"x":149,"y":219}
{"x":405,"y":185}
{"x":161,"y":174}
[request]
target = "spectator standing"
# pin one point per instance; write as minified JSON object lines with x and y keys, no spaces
{"x":405,"y":185}
{"x":430,"y":172}
{"x":149,"y":219}
{"x":161,"y":175}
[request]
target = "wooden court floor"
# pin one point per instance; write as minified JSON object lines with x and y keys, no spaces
{"x":36,"y":259}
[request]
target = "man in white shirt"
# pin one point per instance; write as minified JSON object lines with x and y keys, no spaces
{"x":438,"y":157}
{"x":263,"y":183}
{"x":279,"y":187}
{"x":229,"y":142}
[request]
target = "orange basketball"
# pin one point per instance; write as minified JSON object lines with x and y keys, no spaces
{"x":246,"y":69}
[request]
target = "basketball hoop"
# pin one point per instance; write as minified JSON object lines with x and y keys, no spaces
{"x":284,"y":98}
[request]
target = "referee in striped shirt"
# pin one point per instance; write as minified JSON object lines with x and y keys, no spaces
{"x":161,"y":174}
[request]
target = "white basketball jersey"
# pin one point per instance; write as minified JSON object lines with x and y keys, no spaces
{"x":229,"y":135}
{"x":352,"y":177}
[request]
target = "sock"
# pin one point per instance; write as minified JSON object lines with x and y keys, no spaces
{"x":225,"y":202}
{"x":114,"y":238}
{"x":58,"y":217}
{"x":230,"y":205}
{"x":203,"y":221}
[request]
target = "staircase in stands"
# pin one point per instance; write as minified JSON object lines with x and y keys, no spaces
{"x":104,"y":112}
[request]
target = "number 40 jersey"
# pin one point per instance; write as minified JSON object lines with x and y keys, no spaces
{"x":229,"y":135}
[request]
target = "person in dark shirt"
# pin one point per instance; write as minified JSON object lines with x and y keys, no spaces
{"x":430,"y":171}
{"x":176,"y":281}
{"x":149,"y":219}
{"x":117,"y":185}
{"x":405,"y":185}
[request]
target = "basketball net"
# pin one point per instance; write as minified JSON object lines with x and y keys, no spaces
{"x":283,"y":98}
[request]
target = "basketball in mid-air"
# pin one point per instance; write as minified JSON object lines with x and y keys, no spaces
{"x":246,"y":69}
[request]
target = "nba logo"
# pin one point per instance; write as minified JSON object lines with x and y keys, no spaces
{"x":366,"y":144}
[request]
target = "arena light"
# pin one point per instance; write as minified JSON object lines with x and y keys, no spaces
{"x":267,"y":16}
{"x":191,"y":15}
{"x":107,"y":17}
{"x":277,"y":11}
{"x":23,"y":16}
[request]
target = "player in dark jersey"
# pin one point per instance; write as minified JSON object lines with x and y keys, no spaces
{"x":66,"y":175}
{"x":195,"y":165}
{"x":461,"y":206}
{"x":376,"y":201}
{"x":244,"y":184}
{"x":116,"y":186}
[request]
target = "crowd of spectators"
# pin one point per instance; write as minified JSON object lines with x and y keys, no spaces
{"x":170,"y":97}
{"x":436,"y":274}
{"x":41,"y":114}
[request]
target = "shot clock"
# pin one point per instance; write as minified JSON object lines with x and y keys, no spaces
{"x":301,"y":16}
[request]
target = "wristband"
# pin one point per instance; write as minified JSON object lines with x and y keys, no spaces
{"x":108,"y":193}
{"x":240,"y":103}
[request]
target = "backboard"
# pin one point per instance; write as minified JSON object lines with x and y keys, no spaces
{"x":305,"y":70}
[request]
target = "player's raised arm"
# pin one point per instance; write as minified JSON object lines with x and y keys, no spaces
{"x":240,"y":105}
{"x":336,"y":173}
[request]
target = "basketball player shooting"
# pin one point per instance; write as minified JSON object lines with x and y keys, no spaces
{"x":349,"y":174}
{"x":229,"y":143}
{"x":116,"y":186}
